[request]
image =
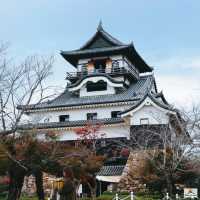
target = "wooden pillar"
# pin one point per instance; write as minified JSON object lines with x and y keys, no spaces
{"x":90,"y":67}
{"x":108,"y":65}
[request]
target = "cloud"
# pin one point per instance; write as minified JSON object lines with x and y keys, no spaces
{"x":179,"y":78}
{"x":180,"y":62}
{"x":180,"y":90}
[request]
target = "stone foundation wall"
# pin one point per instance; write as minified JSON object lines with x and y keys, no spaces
{"x":29,"y":186}
{"x":130,"y":180}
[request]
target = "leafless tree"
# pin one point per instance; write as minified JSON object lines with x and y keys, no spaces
{"x":172,"y":149}
{"x":21,"y":85}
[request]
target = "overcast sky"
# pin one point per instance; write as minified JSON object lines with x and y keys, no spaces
{"x":165,"y":33}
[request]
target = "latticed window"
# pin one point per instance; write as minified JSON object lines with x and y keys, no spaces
{"x":64,"y":118}
{"x":115,"y":114}
{"x":91,"y":116}
{"x":144,"y":121}
{"x":115,"y":65}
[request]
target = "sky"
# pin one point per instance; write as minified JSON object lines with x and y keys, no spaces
{"x":165,"y":33}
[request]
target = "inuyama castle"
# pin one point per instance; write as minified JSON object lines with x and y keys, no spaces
{"x":111,"y":85}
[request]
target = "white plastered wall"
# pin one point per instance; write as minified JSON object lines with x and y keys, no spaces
{"x":75,"y":114}
{"x":148,"y":110}
{"x":110,"y":132}
{"x":153,"y":114}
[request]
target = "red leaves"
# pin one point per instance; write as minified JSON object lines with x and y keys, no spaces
{"x":125,"y":152}
{"x":89,"y":133}
{"x":5,"y":180}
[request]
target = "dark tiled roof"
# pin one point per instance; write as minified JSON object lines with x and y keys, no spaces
{"x":134,"y":93}
{"x":70,"y":123}
{"x":99,"y":36}
{"x":100,"y":42}
{"x":115,"y":170}
{"x":162,"y":97}
{"x":94,"y":50}
{"x":128,"y":50}
{"x":103,"y":44}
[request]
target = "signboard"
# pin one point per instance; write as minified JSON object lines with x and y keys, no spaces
{"x":190,"y":193}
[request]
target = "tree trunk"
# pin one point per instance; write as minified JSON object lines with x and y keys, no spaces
{"x":169,"y":182}
{"x":92,"y":191}
{"x":17,"y":175}
{"x":39,"y":185}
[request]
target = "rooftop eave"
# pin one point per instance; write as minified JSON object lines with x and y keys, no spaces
{"x":34,"y":108}
{"x":66,"y":101}
{"x":137,"y":60}
{"x":126,"y":50}
{"x":73,"y":56}
{"x":70,"y":124}
{"x":168,"y":108}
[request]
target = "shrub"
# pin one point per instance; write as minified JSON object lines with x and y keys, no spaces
{"x":3,"y":188}
{"x":108,"y":193}
{"x":148,"y":195}
{"x":124,"y":193}
{"x":105,"y":198}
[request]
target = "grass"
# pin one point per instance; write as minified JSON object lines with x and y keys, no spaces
{"x":111,"y":196}
{"x":22,"y":198}
{"x":106,"y":196}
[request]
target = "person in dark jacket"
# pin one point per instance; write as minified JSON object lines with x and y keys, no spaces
{"x":68,"y":191}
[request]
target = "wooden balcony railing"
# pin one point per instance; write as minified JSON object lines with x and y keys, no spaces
{"x":111,"y":71}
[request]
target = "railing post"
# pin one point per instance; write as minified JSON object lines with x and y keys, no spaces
{"x":167,"y":196}
{"x":116,"y":197}
{"x":132,"y":196}
{"x":57,"y":196}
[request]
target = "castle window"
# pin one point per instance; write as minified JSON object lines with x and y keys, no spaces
{"x":144,"y":121}
{"x":91,"y":116}
{"x":99,"y":86}
{"x":100,"y":65}
{"x":115,"y":65}
{"x":115,"y":114}
{"x":64,"y":118}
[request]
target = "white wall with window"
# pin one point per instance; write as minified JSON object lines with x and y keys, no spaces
{"x":149,"y":114}
{"x":75,"y":114}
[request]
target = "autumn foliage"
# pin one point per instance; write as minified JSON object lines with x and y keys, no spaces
{"x":34,"y":153}
{"x":89,"y":134}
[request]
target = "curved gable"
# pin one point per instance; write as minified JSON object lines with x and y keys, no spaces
{"x":95,"y":79}
{"x":149,"y":111}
